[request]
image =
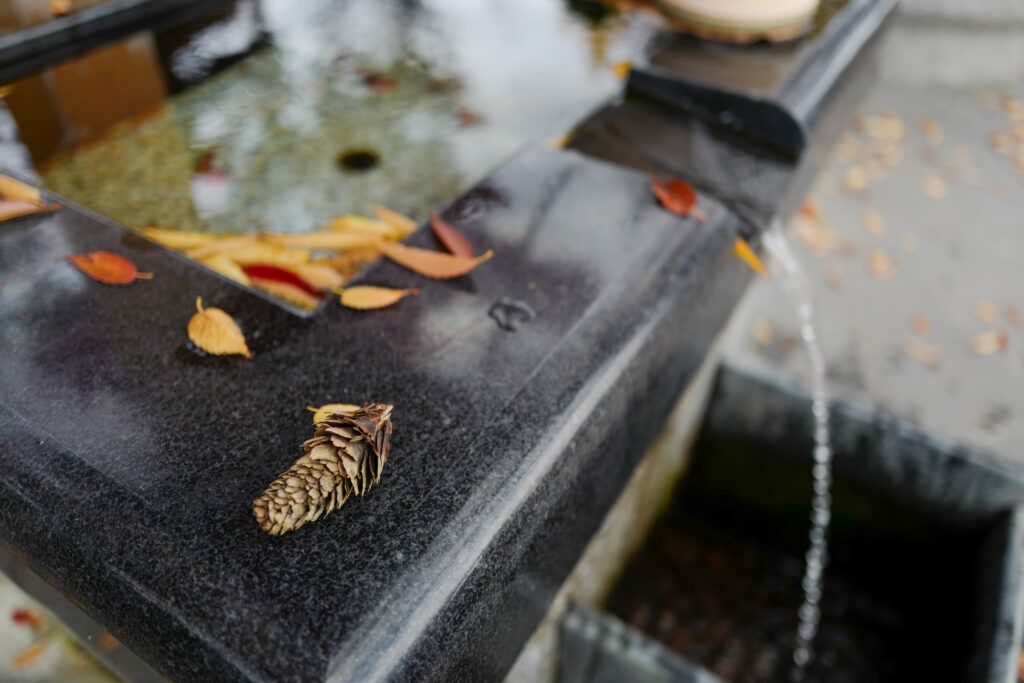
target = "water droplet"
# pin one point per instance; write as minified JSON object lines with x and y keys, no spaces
{"x":510,"y":313}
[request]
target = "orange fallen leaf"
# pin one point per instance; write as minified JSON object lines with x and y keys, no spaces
{"x":403,"y":224}
{"x":320,"y":414}
{"x":678,"y":196}
{"x":816,"y":237}
{"x":874,"y":222}
{"x":920,"y":325}
{"x":178,"y":239}
{"x":433,"y":264}
{"x":988,"y":343}
{"x":930,"y":129}
{"x":107,"y":643}
{"x":453,"y":240}
{"x":28,"y":656}
{"x":285,"y":291}
{"x":622,"y":69}
{"x":986,"y":311}
{"x":16,"y":208}
{"x":365,"y":297}
{"x":922,"y":352}
{"x":810,"y":208}
{"x":748,"y":256}
{"x":881,"y":264}
{"x":12,"y":188}
{"x":214,"y":331}
{"x":108,"y":268}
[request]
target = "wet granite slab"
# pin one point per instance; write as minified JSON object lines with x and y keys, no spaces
{"x":129,"y":462}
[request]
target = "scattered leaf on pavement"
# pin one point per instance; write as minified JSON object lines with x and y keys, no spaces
{"x":855,"y":179}
{"x":920,"y":325}
{"x":403,"y":224}
{"x":834,"y":277}
{"x":214,"y":331}
{"x":28,"y":656}
{"x":433,"y":264}
{"x":1013,"y":316}
{"x":678,"y":196}
{"x":816,"y":237}
{"x":988,"y":343}
{"x":930,"y":129}
{"x":881,"y":264}
{"x":365,"y":297}
{"x":108,"y":268}
{"x":922,"y":352}
{"x":762,"y":332}
{"x":909,"y":242}
{"x":874,"y":222}
{"x":986,"y":311}
{"x":750,"y":257}
{"x":320,"y":414}
{"x":453,"y":240}
{"x":933,"y":186}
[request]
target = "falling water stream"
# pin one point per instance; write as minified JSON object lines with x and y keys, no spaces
{"x":794,"y":281}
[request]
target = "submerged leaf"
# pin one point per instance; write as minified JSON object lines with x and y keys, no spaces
{"x":16,"y":208}
{"x":321,"y":276}
{"x":264,"y":271}
{"x":373,"y":226}
{"x":12,"y":188}
{"x":179,"y":239}
{"x":678,"y":196}
{"x":226,"y":267}
{"x":214,"y":331}
{"x":403,"y":224}
{"x":433,"y":264}
{"x":453,"y":240}
{"x":108,"y":268}
{"x":333,"y":240}
{"x":748,"y":256}
{"x":323,"y":412}
{"x":285,"y":291}
{"x":365,"y":297}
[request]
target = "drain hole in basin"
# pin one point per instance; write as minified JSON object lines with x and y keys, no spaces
{"x":359,"y":160}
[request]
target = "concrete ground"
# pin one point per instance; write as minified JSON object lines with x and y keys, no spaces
{"x":913,"y":241}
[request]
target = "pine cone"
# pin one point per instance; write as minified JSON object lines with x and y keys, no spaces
{"x":345,"y":456}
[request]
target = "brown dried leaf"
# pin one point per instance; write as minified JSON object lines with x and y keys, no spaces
{"x":365,"y":297}
{"x":453,"y":240}
{"x":214,"y":331}
{"x":108,"y":268}
{"x":12,"y":188}
{"x":432,"y":264}
{"x":922,"y":352}
{"x":986,"y":311}
{"x":874,"y":222}
{"x":881,"y":264}
{"x":332,"y":240}
{"x":178,"y":239}
{"x":16,"y":208}
{"x":988,"y":343}
{"x":920,"y":325}
{"x":323,"y":412}
{"x":402,"y":224}
{"x":934,"y":186}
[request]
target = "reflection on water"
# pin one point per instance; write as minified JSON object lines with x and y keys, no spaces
{"x":439,"y":90}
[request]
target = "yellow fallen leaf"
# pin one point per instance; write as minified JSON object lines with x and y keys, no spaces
{"x":372,"y":226}
{"x":622,"y":69}
{"x":28,"y":656}
{"x":365,"y":297}
{"x":986,"y":311}
{"x":349,"y":262}
{"x":855,"y":179}
{"x":247,"y":250}
{"x":988,"y":343}
{"x":320,"y":414}
{"x":12,"y":188}
{"x":286,"y":292}
{"x":221,"y":245}
{"x":226,"y":267}
{"x":874,"y":222}
{"x":817,"y":238}
{"x":747,"y":255}
{"x":403,"y":224}
{"x":930,"y":129}
{"x":922,"y":352}
{"x":178,"y":239}
{"x":332,"y":240}
{"x":213,"y":330}
{"x":881,"y":264}
{"x":433,"y":264}
{"x":320,"y":276}
{"x":933,"y":186}
{"x":560,"y":142}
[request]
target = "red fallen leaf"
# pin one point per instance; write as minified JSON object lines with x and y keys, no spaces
{"x":108,"y":268}
{"x":678,"y":196}
{"x":452,"y":239}
{"x":27,"y":617}
{"x":378,"y":81}
{"x":277,"y":274}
